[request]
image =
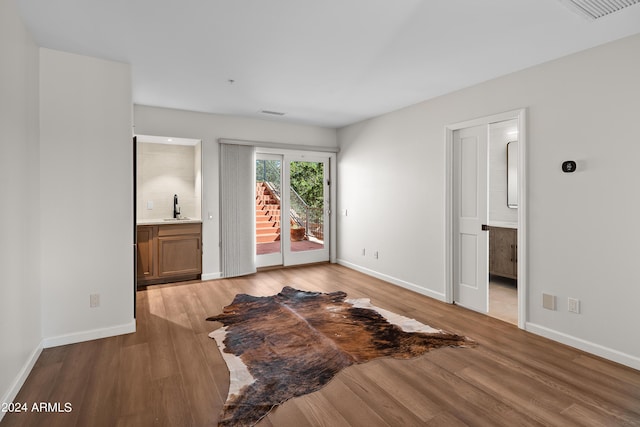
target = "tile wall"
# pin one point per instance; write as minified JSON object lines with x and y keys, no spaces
{"x":165,"y":170}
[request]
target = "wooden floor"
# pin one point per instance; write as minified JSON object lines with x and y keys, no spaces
{"x":170,"y":373}
{"x":503,"y":299}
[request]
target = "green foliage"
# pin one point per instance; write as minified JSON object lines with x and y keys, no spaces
{"x":306,"y":179}
{"x":268,"y":170}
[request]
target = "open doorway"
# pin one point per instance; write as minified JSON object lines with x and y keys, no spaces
{"x":168,"y":209}
{"x":503,"y":221}
{"x":485,"y":230}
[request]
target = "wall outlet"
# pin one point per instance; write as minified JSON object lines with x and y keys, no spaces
{"x":149,"y":204}
{"x":574,"y":305}
{"x":375,"y":254}
{"x":549,"y":301}
{"x":94,"y":300}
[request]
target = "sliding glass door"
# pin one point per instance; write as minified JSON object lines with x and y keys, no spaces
{"x":308,"y":207}
{"x":268,"y":210}
{"x":292,"y":209}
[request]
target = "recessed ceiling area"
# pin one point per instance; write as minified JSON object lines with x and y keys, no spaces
{"x":328,"y":63}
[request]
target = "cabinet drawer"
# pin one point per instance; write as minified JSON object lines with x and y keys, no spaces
{"x":177,"y":229}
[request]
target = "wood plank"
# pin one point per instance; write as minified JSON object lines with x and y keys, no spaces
{"x":170,"y":373}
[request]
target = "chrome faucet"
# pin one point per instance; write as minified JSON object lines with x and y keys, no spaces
{"x":176,"y":208}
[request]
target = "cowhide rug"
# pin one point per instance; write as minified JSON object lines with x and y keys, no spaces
{"x":295,"y":342}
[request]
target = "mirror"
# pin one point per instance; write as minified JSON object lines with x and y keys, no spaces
{"x":512,"y":174}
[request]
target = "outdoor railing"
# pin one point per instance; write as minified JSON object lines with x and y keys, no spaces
{"x":308,"y":217}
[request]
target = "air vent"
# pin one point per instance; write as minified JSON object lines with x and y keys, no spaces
{"x":594,"y":9}
{"x":273,"y":113}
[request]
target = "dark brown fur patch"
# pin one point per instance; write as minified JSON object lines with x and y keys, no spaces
{"x":295,"y":342}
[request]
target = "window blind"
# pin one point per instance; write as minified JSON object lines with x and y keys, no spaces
{"x":238,"y":210}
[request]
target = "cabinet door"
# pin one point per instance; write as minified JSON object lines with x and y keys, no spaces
{"x":146,"y":244}
{"x":179,"y":255}
{"x":502,"y":252}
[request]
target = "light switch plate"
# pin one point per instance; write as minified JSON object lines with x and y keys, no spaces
{"x":149,"y":204}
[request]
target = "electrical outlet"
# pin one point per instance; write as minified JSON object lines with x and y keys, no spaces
{"x":375,"y":254}
{"x":94,"y":300}
{"x":574,"y":305}
{"x":149,"y":204}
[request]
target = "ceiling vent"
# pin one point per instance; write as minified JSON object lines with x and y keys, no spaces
{"x":594,"y":9}
{"x":273,"y":113}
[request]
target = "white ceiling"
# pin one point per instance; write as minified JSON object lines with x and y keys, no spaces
{"x":327,"y":62}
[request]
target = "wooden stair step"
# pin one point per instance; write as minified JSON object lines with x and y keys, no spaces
{"x":266,"y":238}
{"x":267,"y":231}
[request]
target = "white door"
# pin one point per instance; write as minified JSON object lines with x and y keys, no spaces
{"x":307,"y":203}
{"x":470,"y":212}
{"x":292,"y":209}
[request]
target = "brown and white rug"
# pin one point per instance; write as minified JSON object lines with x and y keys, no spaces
{"x":293,"y":343}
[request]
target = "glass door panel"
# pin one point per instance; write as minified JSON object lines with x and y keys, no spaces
{"x":268,"y":210}
{"x":308,"y":206}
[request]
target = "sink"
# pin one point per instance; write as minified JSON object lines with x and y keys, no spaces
{"x":184,"y":218}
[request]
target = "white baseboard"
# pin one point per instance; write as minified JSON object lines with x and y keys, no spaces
{"x":211,"y":276}
{"x":403,"y":284}
{"x":589,"y":347}
{"x":93,"y":334}
{"x":17,"y":384}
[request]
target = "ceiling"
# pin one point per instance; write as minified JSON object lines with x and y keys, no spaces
{"x":327,"y":63}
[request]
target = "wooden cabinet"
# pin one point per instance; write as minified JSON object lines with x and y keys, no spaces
{"x":169,"y":253}
{"x":503,"y":252}
{"x":146,"y":255}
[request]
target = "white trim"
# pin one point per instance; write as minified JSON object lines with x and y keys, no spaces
{"x":588,"y":346}
{"x":211,"y":276}
{"x":18,"y":382}
{"x":403,"y":284}
{"x":93,"y":334}
{"x":279,"y":145}
{"x":523,"y":201}
{"x":520,"y":115}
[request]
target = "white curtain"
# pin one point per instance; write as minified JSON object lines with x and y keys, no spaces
{"x":238,"y":209}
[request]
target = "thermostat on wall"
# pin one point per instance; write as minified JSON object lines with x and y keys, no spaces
{"x":569,"y":166}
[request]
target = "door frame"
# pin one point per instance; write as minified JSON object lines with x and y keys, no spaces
{"x":520,"y":115}
{"x":332,"y":176}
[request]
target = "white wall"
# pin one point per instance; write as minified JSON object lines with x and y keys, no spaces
{"x":209,"y":128}
{"x":20,"y":293}
{"x":582,"y":240}
{"x":86,"y":201}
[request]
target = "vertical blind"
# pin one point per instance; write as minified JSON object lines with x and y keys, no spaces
{"x":237,"y":216}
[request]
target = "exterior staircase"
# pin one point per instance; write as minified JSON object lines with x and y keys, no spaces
{"x":267,"y":214}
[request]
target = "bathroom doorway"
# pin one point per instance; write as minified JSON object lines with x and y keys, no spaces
{"x":503,"y":221}
{"x":486,"y":231}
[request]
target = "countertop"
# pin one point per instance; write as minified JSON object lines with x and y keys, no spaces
{"x":168,"y":221}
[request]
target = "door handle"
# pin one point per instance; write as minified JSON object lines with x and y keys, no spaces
{"x":485,"y":227}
